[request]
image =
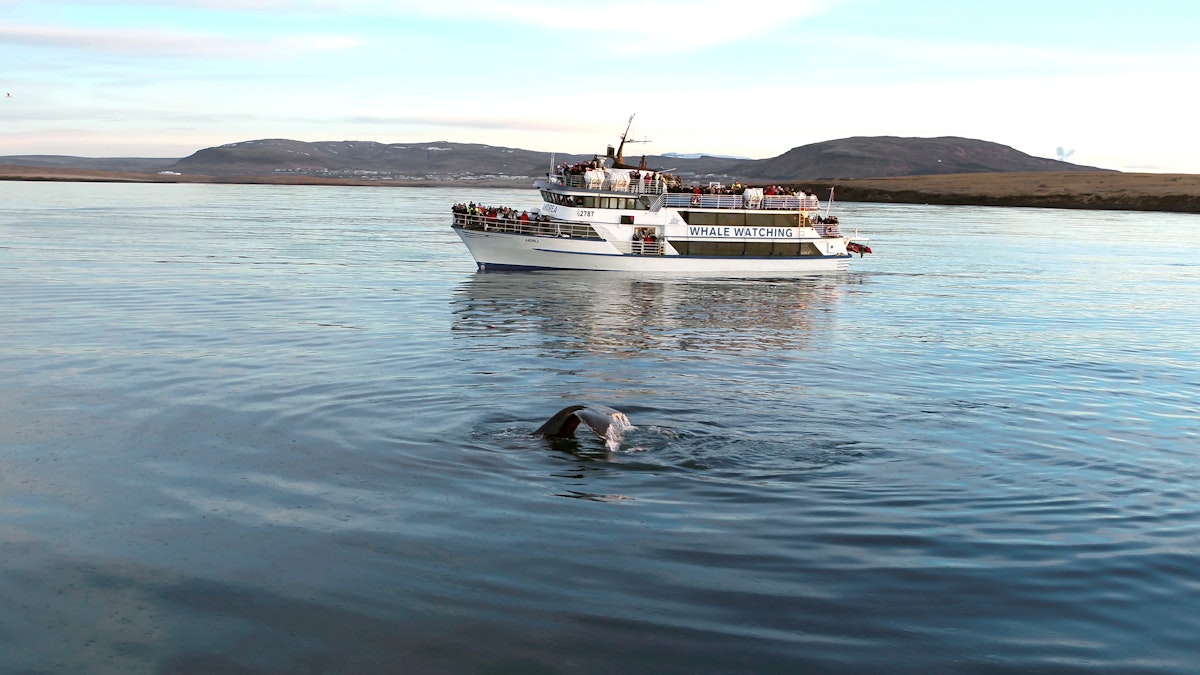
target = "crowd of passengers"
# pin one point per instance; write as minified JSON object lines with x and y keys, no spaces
{"x":675,"y":184}
{"x":499,"y":213}
{"x":579,"y":168}
{"x":737,"y":188}
{"x":645,"y":177}
{"x":505,"y":214}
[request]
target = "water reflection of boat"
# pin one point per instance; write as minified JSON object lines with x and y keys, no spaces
{"x":606,"y":215}
{"x":628,"y":314}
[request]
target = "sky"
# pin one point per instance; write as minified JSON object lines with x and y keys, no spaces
{"x":1101,"y":83}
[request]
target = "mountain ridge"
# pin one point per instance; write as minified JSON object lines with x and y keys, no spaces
{"x":846,"y":158}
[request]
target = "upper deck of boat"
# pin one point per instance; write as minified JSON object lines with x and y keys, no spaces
{"x":623,"y":185}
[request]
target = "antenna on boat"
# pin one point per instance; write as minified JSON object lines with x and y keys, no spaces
{"x":829,"y":204}
{"x":619,"y":157}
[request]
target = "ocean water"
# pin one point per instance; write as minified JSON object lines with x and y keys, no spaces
{"x":264,"y":429}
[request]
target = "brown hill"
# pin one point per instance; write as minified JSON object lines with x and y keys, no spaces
{"x":858,"y":157}
{"x":433,"y":159}
{"x":421,"y":159}
{"x":878,"y":156}
{"x":135,"y":164}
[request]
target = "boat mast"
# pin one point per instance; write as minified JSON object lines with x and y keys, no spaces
{"x":620,"y":158}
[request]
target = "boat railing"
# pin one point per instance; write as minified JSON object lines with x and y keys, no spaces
{"x":610,"y":183}
{"x":599,"y":181}
{"x":791,"y":202}
{"x":534,"y":227}
{"x":705,"y":200}
{"x":639,"y":247}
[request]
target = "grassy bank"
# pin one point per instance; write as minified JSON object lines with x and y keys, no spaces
{"x":1066,"y":190}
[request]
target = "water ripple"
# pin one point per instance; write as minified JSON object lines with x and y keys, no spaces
{"x":287,"y":429}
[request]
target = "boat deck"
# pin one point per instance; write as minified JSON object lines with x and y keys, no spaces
{"x":532,"y":227}
{"x":749,"y":199}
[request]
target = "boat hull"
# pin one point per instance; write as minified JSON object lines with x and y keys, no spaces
{"x":505,"y":251}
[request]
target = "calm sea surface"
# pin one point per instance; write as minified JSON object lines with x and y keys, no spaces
{"x":267,"y":429}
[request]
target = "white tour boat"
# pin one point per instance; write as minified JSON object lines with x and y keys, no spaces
{"x":604,"y":215}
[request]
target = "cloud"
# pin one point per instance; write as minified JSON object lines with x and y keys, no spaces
{"x":465,"y":122}
{"x":646,"y":24}
{"x":167,"y":43}
{"x":1002,"y":56}
{"x":649,"y":25}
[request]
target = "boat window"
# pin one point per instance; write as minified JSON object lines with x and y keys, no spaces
{"x":700,"y":217}
{"x":785,"y":219}
{"x":772,"y":219}
{"x":786,"y":249}
{"x":758,"y":249}
{"x":731,"y":219}
{"x":586,"y":202}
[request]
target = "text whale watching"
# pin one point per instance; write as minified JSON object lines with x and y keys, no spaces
{"x":605,"y":215}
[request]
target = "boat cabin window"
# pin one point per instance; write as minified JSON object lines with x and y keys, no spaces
{"x":569,"y":200}
{"x":590,"y":202}
{"x":739,"y":219}
{"x":627,"y":203}
{"x":738,"y":249}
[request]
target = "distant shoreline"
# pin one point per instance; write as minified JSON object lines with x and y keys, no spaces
{"x":1175,"y":193}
